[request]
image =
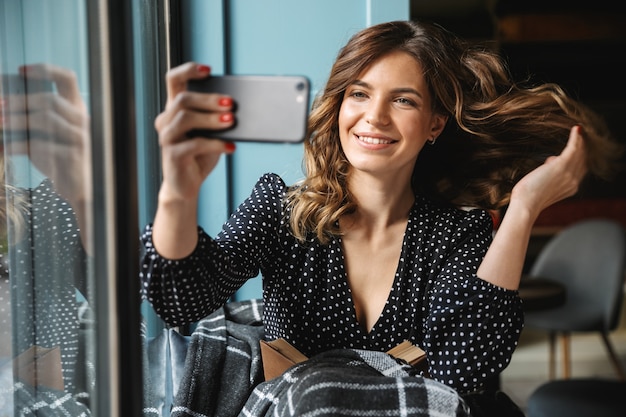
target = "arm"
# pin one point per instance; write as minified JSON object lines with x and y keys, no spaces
{"x":558,"y":178}
{"x":474,"y":322}
{"x":188,"y":289}
{"x":472,"y":326}
{"x":186,"y":162}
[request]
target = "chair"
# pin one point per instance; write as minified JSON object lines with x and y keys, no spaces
{"x":584,"y":397}
{"x":589,"y":259}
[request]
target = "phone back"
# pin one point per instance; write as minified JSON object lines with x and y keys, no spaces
{"x":267,"y":108}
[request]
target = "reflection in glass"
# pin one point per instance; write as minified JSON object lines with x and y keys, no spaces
{"x":46,"y":365}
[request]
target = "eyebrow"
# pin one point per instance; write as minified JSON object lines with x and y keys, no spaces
{"x":395,"y":90}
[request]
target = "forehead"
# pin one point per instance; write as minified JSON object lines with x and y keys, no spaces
{"x":395,"y":66}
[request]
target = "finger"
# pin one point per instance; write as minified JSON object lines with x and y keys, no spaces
{"x":65,"y":80}
{"x":205,"y":146}
{"x":575,"y":143}
{"x":22,"y":130}
{"x":177,"y":77}
{"x":196,"y":102}
{"x":14,"y":122}
{"x":55,"y":128}
{"x":575,"y":151}
{"x":176,"y":129}
{"x":44,"y":113}
{"x":45,"y":102}
{"x":207,"y":102}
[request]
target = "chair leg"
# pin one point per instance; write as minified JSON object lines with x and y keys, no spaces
{"x":567,"y":361}
{"x":552,"y":356}
{"x":614,"y":358}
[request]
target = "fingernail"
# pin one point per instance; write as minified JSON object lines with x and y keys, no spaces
{"x":226,"y":117}
{"x":204,"y":69}
{"x":230,"y":147}
{"x":225,"y":102}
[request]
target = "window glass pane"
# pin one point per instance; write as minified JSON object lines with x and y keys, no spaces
{"x":46,"y":354}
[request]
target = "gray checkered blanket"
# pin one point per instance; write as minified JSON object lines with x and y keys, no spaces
{"x":223,"y":377}
{"x":350,"y":382}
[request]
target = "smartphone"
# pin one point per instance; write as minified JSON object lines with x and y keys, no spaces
{"x":267,"y":108}
{"x":16,"y":84}
{"x":13,"y":84}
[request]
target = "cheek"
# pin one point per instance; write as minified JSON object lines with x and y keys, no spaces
{"x":341,"y":119}
{"x":417,"y":128}
{"x":348,"y":115}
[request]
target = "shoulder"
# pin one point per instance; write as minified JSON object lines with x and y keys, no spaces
{"x":271,"y":180}
{"x":269,"y":190}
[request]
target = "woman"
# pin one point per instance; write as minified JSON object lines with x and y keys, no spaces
{"x":387,"y":238}
{"x":45,"y":243}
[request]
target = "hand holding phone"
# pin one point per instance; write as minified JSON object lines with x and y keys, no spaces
{"x":267,"y":108}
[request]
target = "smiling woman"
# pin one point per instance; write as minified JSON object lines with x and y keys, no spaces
{"x":386,"y":239}
{"x":387,"y":112}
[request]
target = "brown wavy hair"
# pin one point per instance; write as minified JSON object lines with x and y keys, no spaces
{"x":497,"y":130}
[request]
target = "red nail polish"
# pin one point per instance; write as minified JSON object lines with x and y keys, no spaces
{"x":230,"y":147}
{"x":226,"y":117}
{"x":204,"y":69}
{"x":225,"y":102}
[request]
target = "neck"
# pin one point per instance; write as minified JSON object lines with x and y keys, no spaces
{"x":380,"y":202}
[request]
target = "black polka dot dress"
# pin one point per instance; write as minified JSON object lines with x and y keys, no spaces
{"x":469,"y":327}
{"x":43,"y":273}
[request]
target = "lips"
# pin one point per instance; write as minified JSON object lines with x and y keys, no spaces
{"x":375,"y":140}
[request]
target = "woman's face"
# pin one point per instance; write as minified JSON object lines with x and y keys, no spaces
{"x":385,"y":117}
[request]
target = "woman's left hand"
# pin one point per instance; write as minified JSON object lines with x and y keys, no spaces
{"x":558,"y":178}
{"x":58,"y":130}
{"x":56,"y":137}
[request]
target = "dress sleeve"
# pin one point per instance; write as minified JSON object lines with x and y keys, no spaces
{"x":473,"y":326}
{"x":186,"y":290}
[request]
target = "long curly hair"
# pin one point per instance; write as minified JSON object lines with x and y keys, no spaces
{"x":498,"y":130}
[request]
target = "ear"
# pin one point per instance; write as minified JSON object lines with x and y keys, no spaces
{"x":437,"y":124}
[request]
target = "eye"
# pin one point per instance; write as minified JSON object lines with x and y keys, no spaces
{"x":405,"y":101}
{"x":358,"y":94}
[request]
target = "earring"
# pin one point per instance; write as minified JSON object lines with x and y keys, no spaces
{"x":431,"y":141}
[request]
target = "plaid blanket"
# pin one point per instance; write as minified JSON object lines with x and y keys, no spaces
{"x":44,"y":402}
{"x":353,"y":383}
{"x":223,"y":377}
{"x":217,"y":372}
{"x":210,"y":373}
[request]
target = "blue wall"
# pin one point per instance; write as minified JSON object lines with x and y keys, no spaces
{"x":271,"y":37}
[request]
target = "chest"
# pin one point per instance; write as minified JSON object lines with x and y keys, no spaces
{"x":370,"y":270}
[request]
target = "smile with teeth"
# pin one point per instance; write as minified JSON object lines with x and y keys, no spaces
{"x":374,"y":141}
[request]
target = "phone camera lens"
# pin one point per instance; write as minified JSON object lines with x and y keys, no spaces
{"x":300,"y":86}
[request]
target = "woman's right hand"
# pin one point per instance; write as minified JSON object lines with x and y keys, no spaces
{"x":188,"y":161}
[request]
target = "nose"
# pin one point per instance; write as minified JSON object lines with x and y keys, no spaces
{"x":377,"y":113}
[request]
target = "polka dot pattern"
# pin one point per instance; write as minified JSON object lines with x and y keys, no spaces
{"x":469,"y":327}
{"x":40,"y":279}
